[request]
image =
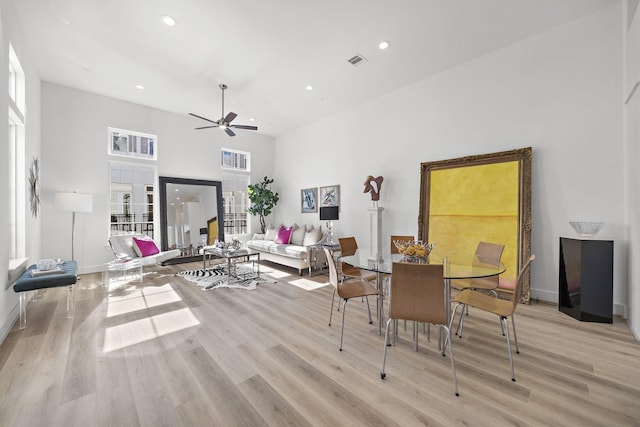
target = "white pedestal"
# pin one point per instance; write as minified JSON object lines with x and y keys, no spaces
{"x":375,"y":232}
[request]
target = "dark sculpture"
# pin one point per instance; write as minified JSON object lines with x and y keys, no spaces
{"x":373,"y":185}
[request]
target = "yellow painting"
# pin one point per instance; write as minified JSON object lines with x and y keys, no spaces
{"x":473,"y":204}
{"x":485,"y":197}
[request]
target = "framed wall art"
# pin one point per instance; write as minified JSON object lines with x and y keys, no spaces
{"x":330,"y":196}
{"x":309,"y":200}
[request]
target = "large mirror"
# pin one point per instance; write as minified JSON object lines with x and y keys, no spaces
{"x":477,"y":198}
{"x":191,"y":215}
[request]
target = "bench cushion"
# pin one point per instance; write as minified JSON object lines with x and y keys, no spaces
{"x":28,"y":283}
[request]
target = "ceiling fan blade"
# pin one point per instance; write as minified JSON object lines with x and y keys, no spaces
{"x":206,"y":127}
{"x":229,"y":132}
{"x":244,"y":127}
{"x":230,"y":117}
{"x":203,"y":118}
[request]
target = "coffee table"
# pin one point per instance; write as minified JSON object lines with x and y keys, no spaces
{"x":233,"y":257}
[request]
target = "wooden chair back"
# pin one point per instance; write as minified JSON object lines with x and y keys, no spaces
{"x":418,"y":293}
{"x":348,"y":246}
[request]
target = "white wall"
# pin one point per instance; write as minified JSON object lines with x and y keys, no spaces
{"x":632,"y":154}
{"x":10,"y":33}
{"x":558,"y":92}
{"x":74,"y":153}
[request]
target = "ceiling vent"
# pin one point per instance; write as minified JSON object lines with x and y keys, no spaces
{"x":357,"y":59}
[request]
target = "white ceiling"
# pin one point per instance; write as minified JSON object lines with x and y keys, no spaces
{"x":267,"y":51}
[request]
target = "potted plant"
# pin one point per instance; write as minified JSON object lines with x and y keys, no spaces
{"x":262,"y":200}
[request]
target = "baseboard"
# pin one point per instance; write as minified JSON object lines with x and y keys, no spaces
{"x":552,"y":297}
{"x":11,"y":319}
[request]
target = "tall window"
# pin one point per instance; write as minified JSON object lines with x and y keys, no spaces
{"x":234,"y":190}
{"x":132,"y":207}
{"x":16,"y":169}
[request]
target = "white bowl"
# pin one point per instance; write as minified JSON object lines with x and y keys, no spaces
{"x":586,"y":228}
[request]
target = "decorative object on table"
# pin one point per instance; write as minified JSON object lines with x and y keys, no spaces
{"x":216,"y":278}
{"x":309,"y":200}
{"x":330,"y":196}
{"x":262,"y":199}
{"x":587,"y":228}
{"x":329,"y":214}
{"x":374,"y":186}
{"x":414,"y":251}
{"x":74,"y":202}
{"x":34,"y":186}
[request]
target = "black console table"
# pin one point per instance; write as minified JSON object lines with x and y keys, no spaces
{"x":586,"y":279}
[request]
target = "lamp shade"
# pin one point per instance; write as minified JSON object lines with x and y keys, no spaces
{"x":329,"y":213}
{"x":74,"y":202}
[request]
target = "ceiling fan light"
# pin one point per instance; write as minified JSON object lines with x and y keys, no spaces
{"x":223,"y":127}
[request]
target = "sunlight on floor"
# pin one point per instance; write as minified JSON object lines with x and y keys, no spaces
{"x":277,"y":274}
{"x":138,"y":331}
{"x":140,"y":299}
{"x":308,"y":285}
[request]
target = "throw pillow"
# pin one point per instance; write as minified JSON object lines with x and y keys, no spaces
{"x":311,"y":237}
{"x":297,"y":236}
{"x":270,"y":234}
{"x":145,"y":247}
{"x":284,"y":235}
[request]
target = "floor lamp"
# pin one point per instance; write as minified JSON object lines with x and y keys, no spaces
{"x":74,"y":202}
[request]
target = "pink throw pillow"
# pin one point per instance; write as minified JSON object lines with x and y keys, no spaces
{"x":145,"y":247}
{"x":284,"y":235}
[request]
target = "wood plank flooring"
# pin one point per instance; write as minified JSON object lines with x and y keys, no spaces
{"x":164,"y":353}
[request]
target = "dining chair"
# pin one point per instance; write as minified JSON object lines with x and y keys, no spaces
{"x":500,"y":307}
{"x":486,"y":253}
{"x":418,"y":294}
{"x":346,"y":290}
{"x":348,"y":247}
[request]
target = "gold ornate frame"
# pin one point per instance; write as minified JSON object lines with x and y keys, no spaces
{"x":523,"y":157}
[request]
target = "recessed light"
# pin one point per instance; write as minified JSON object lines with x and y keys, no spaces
{"x":309,"y":87}
{"x":168,"y":20}
{"x":251,"y":119}
{"x":383,"y":45}
{"x":139,"y":86}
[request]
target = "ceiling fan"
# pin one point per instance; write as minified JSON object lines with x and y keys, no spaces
{"x":225,"y":121}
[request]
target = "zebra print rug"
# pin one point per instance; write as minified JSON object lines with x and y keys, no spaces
{"x":216,"y":277}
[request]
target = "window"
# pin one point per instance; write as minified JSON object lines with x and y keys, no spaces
{"x":132,"y":196}
{"x":235,"y":200}
{"x":132,"y":144}
{"x":236,"y":160}
{"x":17,"y":175}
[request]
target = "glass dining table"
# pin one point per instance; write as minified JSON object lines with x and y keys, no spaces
{"x":456,"y":266}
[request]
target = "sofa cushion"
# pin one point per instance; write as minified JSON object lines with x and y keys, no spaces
{"x":297,"y":235}
{"x":284,"y":235}
{"x":261,"y":245}
{"x":270,"y":234}
{"x":145,"y":246}
{"x":289,"y":250}
{"x":311,"y":237}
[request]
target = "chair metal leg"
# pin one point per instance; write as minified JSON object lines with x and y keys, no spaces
{"x":333,"y":296}
{"x":369,"y":310}
{"x":453,"y":365}
{"x":386,"y":340}
{"x":515,"y":337}
{"x":461,"y":322}
{"x":506,"y":328}
{"x":415,"y":336}
{"x":344,"y":306}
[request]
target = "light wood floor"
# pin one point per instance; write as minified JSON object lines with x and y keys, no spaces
{"x":163,"y":352}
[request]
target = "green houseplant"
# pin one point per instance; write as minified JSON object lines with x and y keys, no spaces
{"x":262,"y":200}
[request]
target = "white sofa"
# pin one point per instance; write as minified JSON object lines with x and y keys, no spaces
{"x":122,"y":246}
{"x":303,"y":251}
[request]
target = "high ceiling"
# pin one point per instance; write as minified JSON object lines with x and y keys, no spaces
{"x":267,"y":51}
